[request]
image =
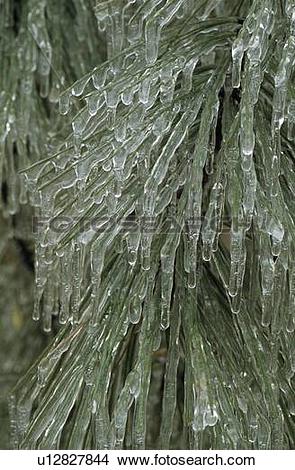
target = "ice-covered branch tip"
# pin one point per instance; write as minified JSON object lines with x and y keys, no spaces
{"x":186,"y":125}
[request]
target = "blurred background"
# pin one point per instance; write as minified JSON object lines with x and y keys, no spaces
{"x":21,"y":339}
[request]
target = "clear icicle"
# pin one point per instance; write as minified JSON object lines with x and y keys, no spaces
{"x":188,"y":74}
{"x":99,"y":78}
{"x":238,"y":260}
{"x":79,"y":87}
{"x":97,"y":264}
{"x":135,"y":26}
{"x":170,"y":384}
{"x":144,"y":91}
{"x":135,"y":309}
{"x":278,"y":291}
{"x":66,"y":285}
{"x":212,"y":221}
{"x":167,"y":274}
{"x":128,"y":394}
{"x":247,"y":136}
{"x":152,"y":39}
{"x":238,"y":50}
{"x":77,"y":277}
{"x":281,"y":83}
{"x":48,"y":305}
{"x":40,"y":279}
{"x":267,"y":282}
{"x":291,"y":119}
{"x":133,"y":241}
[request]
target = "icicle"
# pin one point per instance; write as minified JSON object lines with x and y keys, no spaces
{"x":192,"y":261}
{"x":97,"y":264}
{"x":167,"y":273}
{"x":201,"y":408}
{"x":94,"y":103}
{"x":212,"y":221}
{"x":191,"y":247}
{"x":249,"y":193}
{"x":238,"y":49}
{"x":136,"y":118}
{"x":128,"y":394}
{"x":146,"y":241}
{"x":111,"y":200}
{"x":167,"y":284}
{"x":275,"y":166}
{"x":76,"y":286}
{"x":79,"y":87}
{"x":150,"y":191}
{"x":135,"y":25}
{"x":66,"y":285}
{"x":256,"y":51}
{"x":119,"y":160}
{"x":135,"y":309}
{"x":99,"y":78}
{"x":238,"y":260}
{"x":144,"y":91}
{"x":167,"y":84}
{"x":279,"y":107}
{"x":291,"y":119}
{"x":209,"y":166}
{"x":116,"y":40}
{"x":45,"y":59}
{"x":267,"y":283}
{"x":121,"y":130}
{"x":134,"y":31}
{"x":187,"y":73}
{"x":111,"y":118}
{"x":170,"y":383}
{"x":278,"y":292}
{"x":247,"y":136}
{"x":276,"y":231}
{"x":194,"y":222}
{"x":142,"y":285}
{"x":128,"y":95}
{"x":133,"y":241}
{"x":41,"y":274}
{"x":255,"y":80}
{"x":281,"y":83}
{"x":153,"y":94}
{"x":80,"y":122}
{"x":152,"y":40}
{"x":48,"y":304}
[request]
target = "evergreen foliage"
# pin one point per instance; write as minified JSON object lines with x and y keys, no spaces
{"x":155,"y":141}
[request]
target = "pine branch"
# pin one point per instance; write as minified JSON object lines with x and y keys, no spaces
{"x":163,"y":197}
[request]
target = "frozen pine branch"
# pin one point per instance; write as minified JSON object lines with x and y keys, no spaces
{"x":155,"y":141}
